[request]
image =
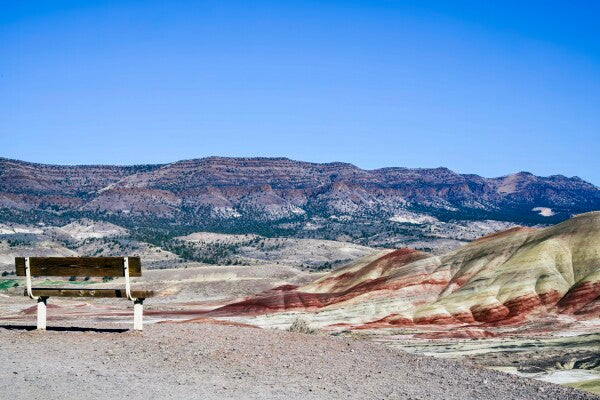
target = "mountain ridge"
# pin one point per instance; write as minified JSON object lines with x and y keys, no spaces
{"x":260,"y":158}
{"x":282,"y":196}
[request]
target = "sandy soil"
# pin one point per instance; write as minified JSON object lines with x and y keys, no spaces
{"x":208,"y":361}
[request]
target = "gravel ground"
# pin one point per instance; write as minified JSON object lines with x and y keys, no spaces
{"x":193,"y":361}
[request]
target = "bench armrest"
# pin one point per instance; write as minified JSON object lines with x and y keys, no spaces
{"x":28,"y":279}
{"x":127,"y":283}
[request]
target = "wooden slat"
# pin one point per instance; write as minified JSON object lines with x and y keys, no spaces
{"x":70,"y":292}
{"x":78,"y":266}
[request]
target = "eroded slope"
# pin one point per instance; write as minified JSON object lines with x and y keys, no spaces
{"x":505,"y":279}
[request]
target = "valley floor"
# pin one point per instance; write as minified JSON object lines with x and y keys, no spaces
{"x":211,"y":361}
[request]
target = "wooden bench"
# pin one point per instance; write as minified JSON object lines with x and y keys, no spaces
{"x":82,"y":266}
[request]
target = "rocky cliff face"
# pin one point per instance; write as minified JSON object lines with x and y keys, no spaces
{"x":234,"y":192}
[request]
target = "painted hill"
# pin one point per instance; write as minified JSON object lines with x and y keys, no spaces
{"x":511,"y":278}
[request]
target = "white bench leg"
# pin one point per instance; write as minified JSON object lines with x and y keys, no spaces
{"x":138,"y":312}
{"x":41,"y":313}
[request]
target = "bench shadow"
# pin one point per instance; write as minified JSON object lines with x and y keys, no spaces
{"x":64,"y":329}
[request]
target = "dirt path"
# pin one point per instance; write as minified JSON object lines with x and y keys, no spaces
{"x":205,"y":361}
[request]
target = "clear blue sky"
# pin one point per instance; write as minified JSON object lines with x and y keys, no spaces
{"x":478,"y":87}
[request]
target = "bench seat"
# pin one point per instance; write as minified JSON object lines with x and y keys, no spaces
{"x":75,"y":292}
{"x":126,"y":267}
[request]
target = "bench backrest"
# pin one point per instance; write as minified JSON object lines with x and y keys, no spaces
{"x":79,"y":266}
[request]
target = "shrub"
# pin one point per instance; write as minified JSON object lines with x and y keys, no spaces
{"x":300,"y":325}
